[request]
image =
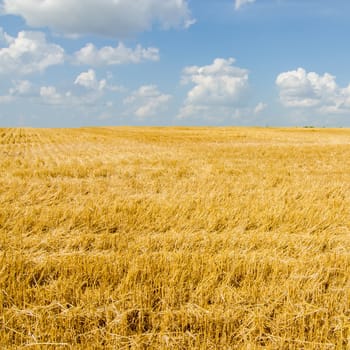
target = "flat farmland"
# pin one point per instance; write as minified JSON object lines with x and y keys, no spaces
{"x":175,"y":238}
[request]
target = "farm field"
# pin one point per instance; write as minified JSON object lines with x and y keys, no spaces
{"x":175,"y":238}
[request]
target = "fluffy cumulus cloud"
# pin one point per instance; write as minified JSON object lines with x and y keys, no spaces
{"x":260,"y":107}
{"x":89,"y":81}
{"x":90,"y":55}
{"x":20,"y":88}
{"x":301,"y":89}
{"x":50,"y":94}
{"x":219,"y":89}
{"x":108,"y":17}
{"x":27,"y":53}
{"x":240,"y":3}
{"x":147,"y":101}
{"x":89,"y":91}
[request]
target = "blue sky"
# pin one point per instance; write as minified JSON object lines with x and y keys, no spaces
{"x":174,"y":62}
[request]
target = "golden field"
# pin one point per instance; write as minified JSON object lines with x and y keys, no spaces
{"x":175,"y":238}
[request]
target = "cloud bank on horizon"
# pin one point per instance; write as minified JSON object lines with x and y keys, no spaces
{"x":166,"y":62}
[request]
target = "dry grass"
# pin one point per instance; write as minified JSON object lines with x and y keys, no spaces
{"x":159,"y":238}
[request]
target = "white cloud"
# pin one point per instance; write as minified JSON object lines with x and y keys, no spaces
{"x":21,"y":88}
{"x":118,"y":18}
{"x":240,"y":3}
{"x":29,"y":52}
{"x":50,"y":95}
{"x":89,"y":81}
{"x":92,"y":95}
{"x":300,"y":89}
{"x":260,"y":107}
{"x":121,"y":54}
{"x":219,"y":89}
{"x":147,"y":101}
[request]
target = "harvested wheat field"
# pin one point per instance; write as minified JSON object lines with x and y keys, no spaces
{"x":175,"y":238}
